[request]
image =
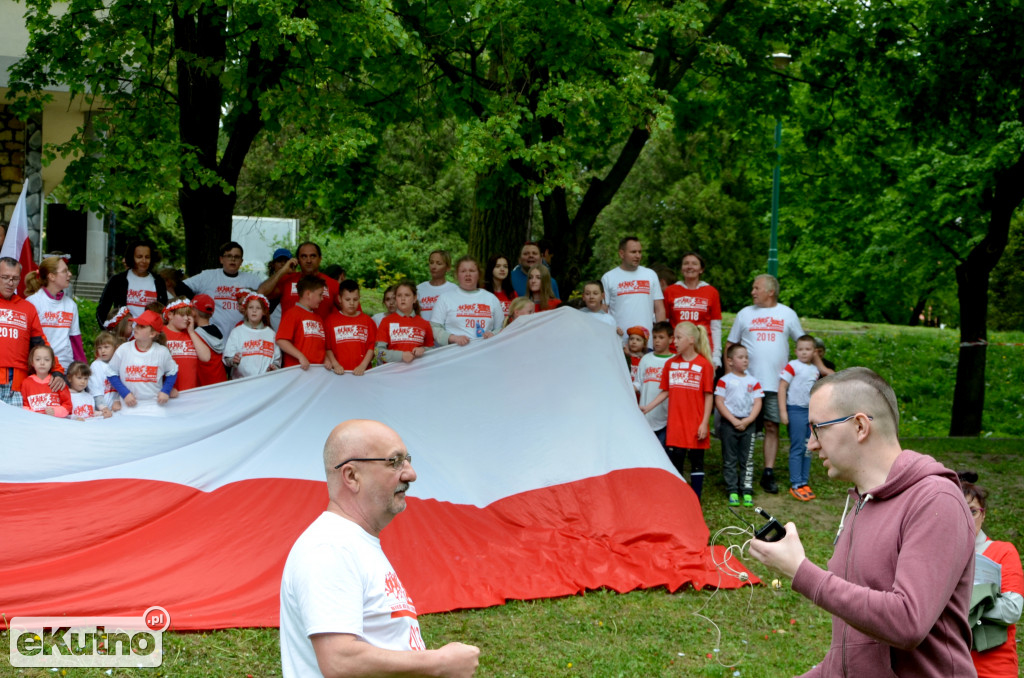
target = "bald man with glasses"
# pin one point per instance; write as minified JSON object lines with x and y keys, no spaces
{"x":899,"y":582}
{"x":344,"y":611}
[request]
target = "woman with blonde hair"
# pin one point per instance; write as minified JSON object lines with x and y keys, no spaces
{"x":58,"y":312}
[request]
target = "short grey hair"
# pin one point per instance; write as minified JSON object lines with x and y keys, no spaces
{"x":771,"y":282}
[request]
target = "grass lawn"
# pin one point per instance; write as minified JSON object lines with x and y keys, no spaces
{"x":756,"y":630}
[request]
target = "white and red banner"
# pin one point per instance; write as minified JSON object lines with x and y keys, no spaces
{"x":538,"y":477}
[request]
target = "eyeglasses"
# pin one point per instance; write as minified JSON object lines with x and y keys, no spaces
{"x":10,"y":279}
{"x":232,"y":257}
{"x":841,"y":420}
{"x":396,"y":462}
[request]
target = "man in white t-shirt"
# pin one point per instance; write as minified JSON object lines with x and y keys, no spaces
{"x":765,"y":329}
{"x":343,"y":608}
{"x":633,"y":292}
{"x":223,"y":285}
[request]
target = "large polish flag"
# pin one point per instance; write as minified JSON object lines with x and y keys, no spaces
{"x":538,"y":477}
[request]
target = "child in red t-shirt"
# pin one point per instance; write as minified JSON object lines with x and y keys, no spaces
{"x":636,"y":348}
{"x":300,"y":336}
{"x":688,"y":381}
{"x":35,"y":389}
{"x":351,"y":334}
{"x":185,"y":346}
{"x":404,"y":335}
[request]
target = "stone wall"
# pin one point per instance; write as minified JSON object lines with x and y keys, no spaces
{"x":21,"y":162}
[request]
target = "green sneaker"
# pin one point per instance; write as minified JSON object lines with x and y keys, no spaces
{"x":748,"y":501}
{"x":734,"y":499}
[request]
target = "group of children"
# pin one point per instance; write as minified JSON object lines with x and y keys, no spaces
{"x":679,"y":395}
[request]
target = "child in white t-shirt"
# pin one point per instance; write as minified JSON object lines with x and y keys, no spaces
{"x":647,"y":381}
{"x":143,"y":370}
{"x":83,"y":405}
{"x":795,"y":382}
{"x":104,"y":395}
{"x":738,"y":398}
{"x":251,"y":348}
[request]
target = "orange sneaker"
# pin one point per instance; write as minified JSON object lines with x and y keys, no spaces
{"x":808,"y":492}
{"x":798,"y":494}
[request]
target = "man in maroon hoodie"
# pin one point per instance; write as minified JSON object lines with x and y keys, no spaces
{"x":899,"y":582}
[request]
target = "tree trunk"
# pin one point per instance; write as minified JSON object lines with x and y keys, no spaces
{"x":501,"y":219}
{"x":972,"y":291}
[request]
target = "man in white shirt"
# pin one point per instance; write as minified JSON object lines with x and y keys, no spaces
{"x":765,"y":329}
{"x":223,"y":284}
{"x":632,"y":291}
{"x":343,"y":609}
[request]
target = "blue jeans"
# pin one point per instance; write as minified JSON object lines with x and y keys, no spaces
{"x":799,"y":461}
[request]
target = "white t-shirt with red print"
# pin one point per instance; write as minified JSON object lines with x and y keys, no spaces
{"x":765,"y":332}
{"x":631,"y":296}
{"x":338,"y":580}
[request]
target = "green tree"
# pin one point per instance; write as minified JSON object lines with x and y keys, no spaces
{"x":182,"y":88}
{"x":558,"y":99}
{"x":915,"y":118}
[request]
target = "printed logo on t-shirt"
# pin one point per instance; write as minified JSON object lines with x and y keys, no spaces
{"x":691,"y":303}
{"x":83,"y":411}
{"x":141,"y":373}
{"x":653,"y":373}
{"x":225,"y":295}
{"x":260,"y":347}
{"x":140,"y":298}
{"x":56,"y":319}
{"x":402,"y":334}
{"x":41,"y":401}
{"x":473,"y":311}
{"x":427,"y":303}
{"x":14,"y":319}
{"x":181,"y":348}
{"x":684,"y":375}
{"x":358,"y":333}
{"x":633,"y":287}
{"x":767,"y":324}
{"x":313,"y":328}
{"x":401,"y":603}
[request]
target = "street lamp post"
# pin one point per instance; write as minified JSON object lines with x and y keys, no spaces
{"x":780,"y":61}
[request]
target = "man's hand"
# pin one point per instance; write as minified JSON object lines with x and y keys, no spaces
{"x":57,"y":382}
{"x":459,"y":660}
{"x":130,"y":400}
{"x":784,"y":555}
{"x":458,"y":339}
{"x":783,"y":416}
{"x":162,"y":398}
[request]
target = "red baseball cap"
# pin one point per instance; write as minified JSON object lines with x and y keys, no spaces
{"x":204,"y":303}
{"x":150,"y":319}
